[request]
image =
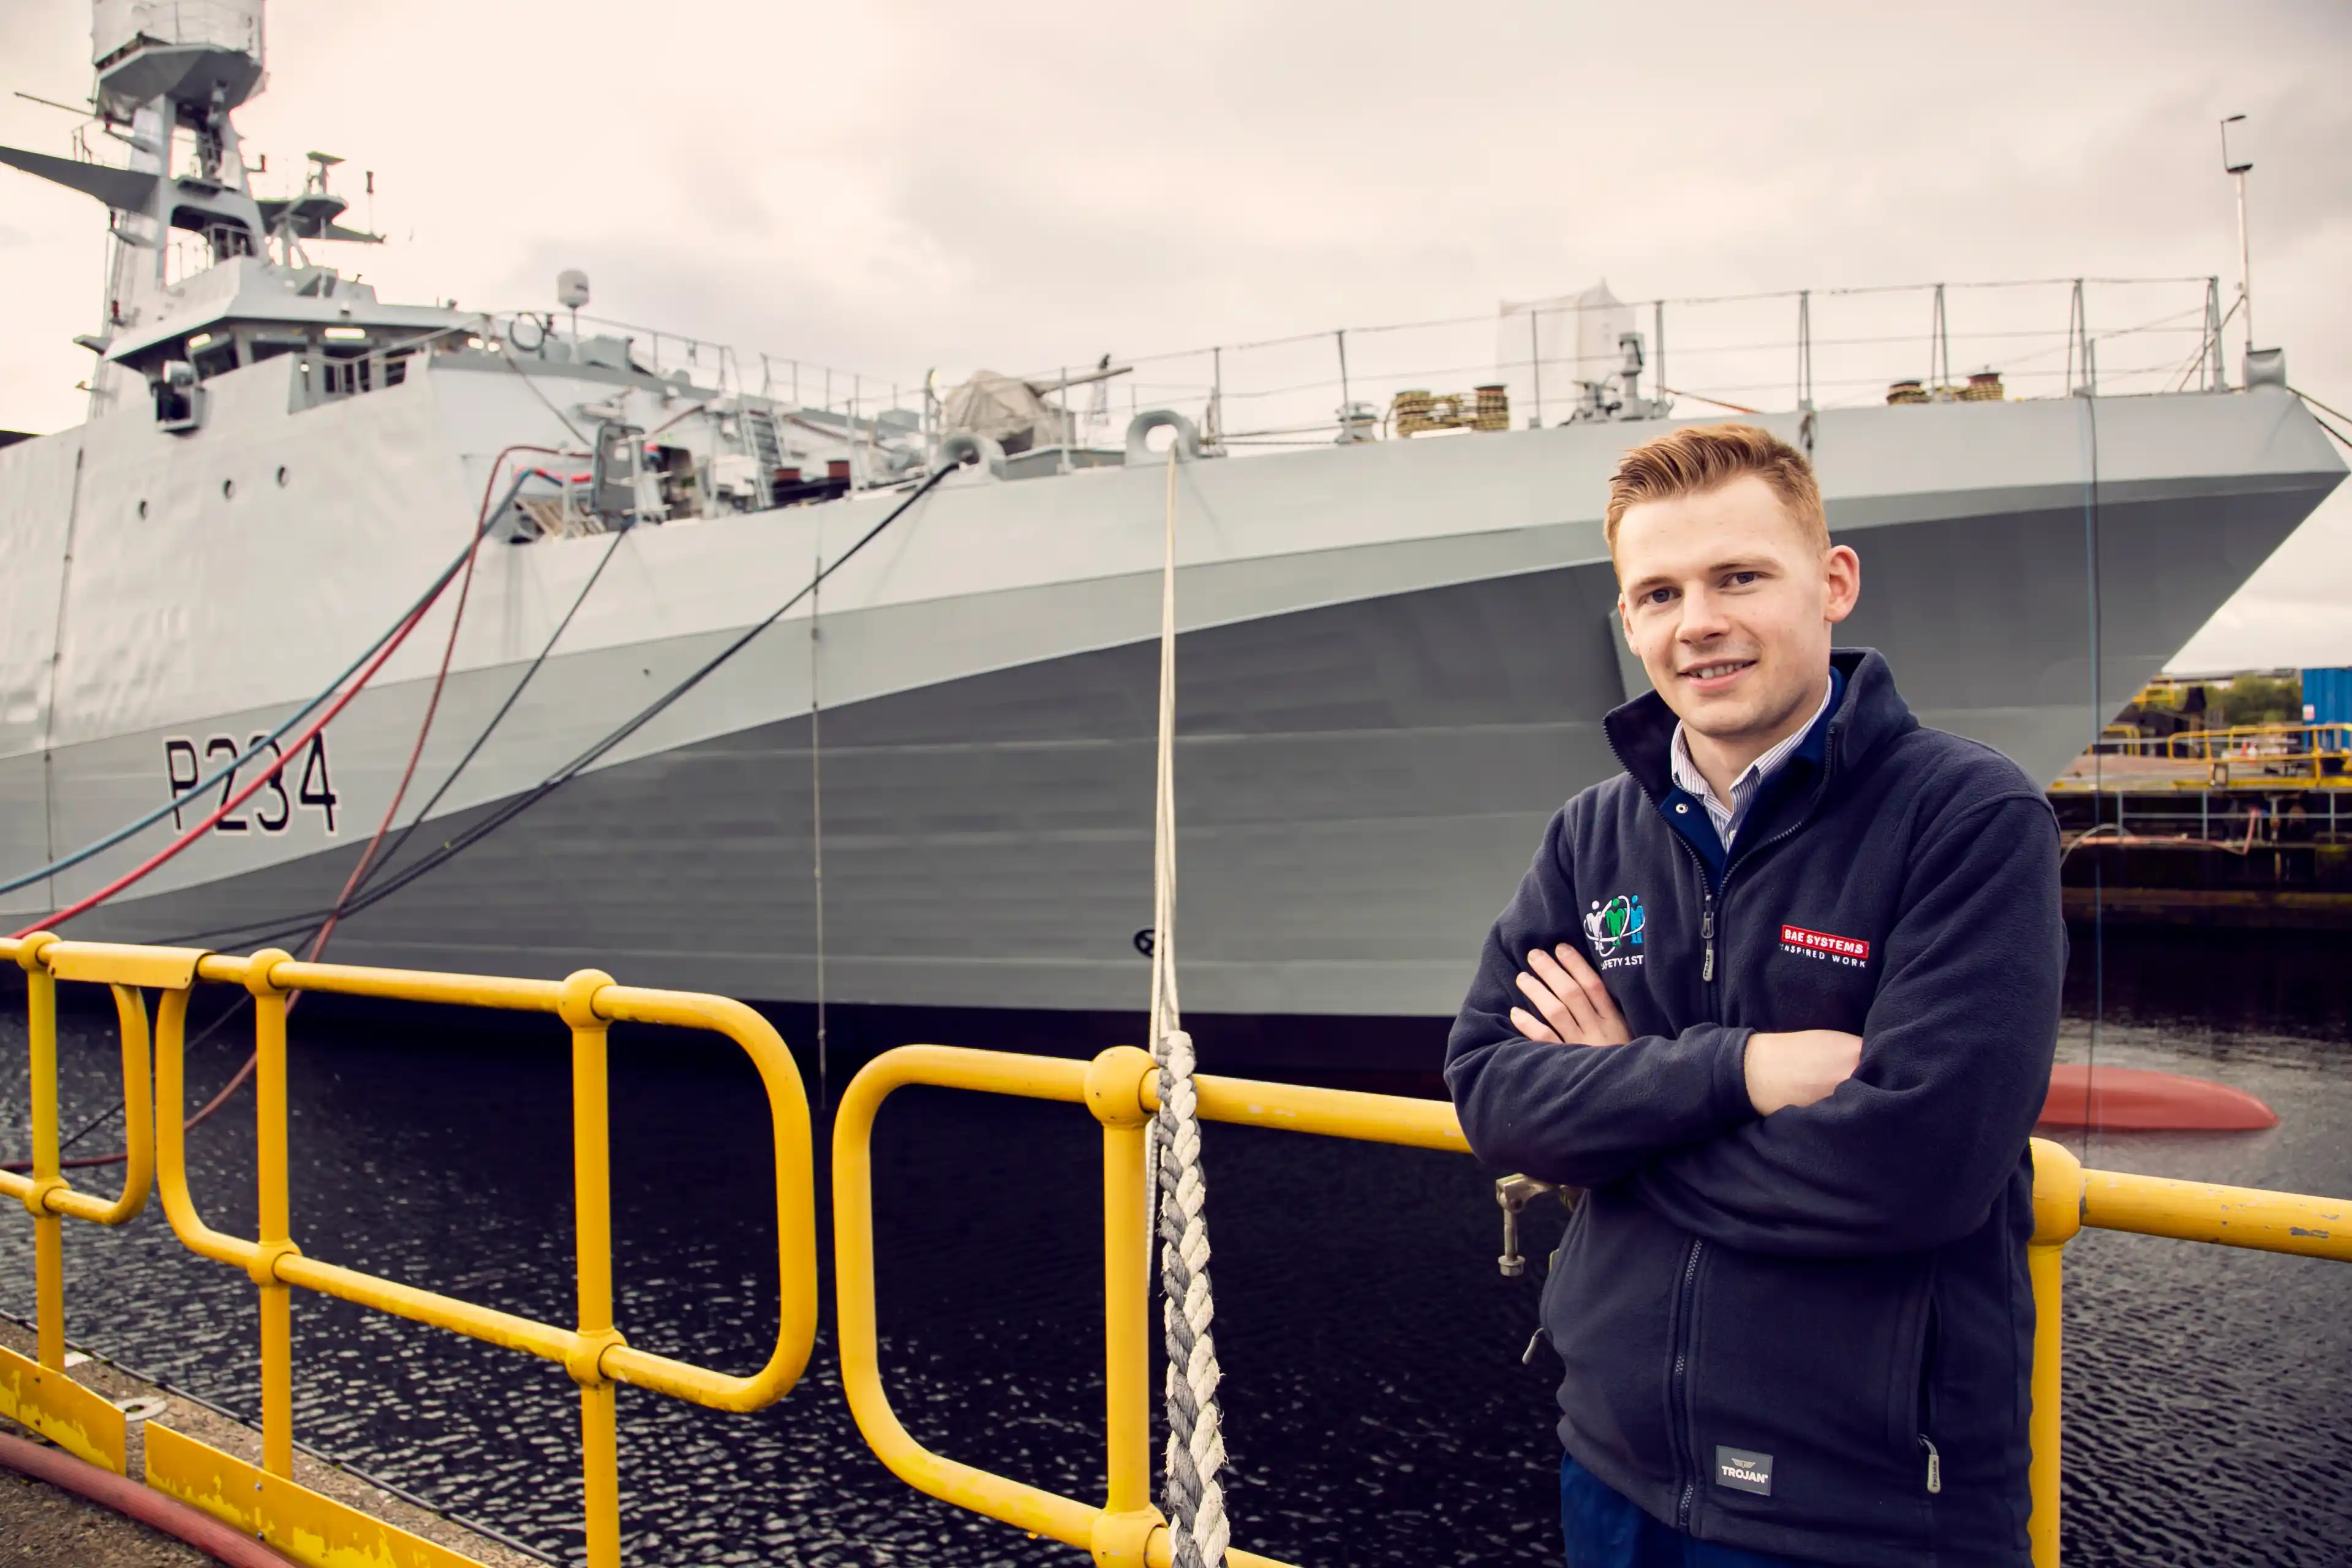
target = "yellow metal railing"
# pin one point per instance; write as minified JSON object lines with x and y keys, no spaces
{"x":2318,"y":752}
{"x":312,"y":1528}
{"x":2068,"y":1199}
{"x":1120,"y":1086}
{"x":38,"y":1393}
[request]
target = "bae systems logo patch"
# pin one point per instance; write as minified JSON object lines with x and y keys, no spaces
{"x":1821,"y":947}
{"x":1743,"y":1471}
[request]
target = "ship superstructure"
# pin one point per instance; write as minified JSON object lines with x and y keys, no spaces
{"x":1398,"y":636}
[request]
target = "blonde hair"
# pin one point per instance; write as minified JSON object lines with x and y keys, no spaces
{"x":1700,"y":458}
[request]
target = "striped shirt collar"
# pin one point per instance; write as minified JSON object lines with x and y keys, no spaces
{"x":1726,"y":817}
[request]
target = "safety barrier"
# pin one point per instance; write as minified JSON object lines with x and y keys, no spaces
{"x":38,"y":1393}
{"x":2313,"y":753}
{"x":1120,"y":1086}
{"x":2069,"y":1199}
{"x":265,"y":1500}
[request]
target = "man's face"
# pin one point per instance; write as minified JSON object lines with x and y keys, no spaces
{"x":1730,"y":607}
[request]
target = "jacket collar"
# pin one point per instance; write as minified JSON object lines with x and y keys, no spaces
{"x":1868,"y":714}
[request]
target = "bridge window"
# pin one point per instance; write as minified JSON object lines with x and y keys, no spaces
{"x":213,"y":353}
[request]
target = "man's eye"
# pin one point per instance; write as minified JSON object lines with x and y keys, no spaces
{"x":1657,"y":595}
{"x":1741,"y":579}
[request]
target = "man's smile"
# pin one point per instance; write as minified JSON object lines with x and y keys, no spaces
{"x":1715,"y":676}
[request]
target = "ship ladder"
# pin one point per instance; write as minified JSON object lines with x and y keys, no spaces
{"x":767,"y":446}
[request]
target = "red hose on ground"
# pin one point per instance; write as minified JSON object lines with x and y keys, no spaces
{"x":151,"y":1507}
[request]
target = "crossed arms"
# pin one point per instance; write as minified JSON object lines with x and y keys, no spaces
{"x":1781,"y":1070}
{"x":1808,"y":1143}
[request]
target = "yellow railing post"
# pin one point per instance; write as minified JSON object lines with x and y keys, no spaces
{"x":1122,"y":1087}
{"x":274,"y":1212}
{"x":592,"y":1201}
{"x":48,"y":1236}
{"x":2057,"y":1216}
{"x":267,"y":1502}
{"x":1115,"y":1088}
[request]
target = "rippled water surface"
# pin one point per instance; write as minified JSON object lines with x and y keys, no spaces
{"x":1377,"y":1409}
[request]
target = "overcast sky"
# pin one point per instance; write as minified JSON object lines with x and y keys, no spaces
{"x":894,"y":186}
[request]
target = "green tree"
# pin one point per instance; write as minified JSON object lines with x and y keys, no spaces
{"x":2258,"y":699}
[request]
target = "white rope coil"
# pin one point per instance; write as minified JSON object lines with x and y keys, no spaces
{"x":1196,"y":1447}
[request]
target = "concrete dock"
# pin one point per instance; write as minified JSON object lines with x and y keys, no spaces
{"x":42,"y":1526}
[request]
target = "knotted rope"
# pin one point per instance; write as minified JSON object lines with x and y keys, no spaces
{"x":1196,"y":1445}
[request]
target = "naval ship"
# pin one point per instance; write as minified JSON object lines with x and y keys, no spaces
{"x":1396,"y":646}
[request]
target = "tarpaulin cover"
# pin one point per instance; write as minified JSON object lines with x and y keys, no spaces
{"x":1007,"y":411}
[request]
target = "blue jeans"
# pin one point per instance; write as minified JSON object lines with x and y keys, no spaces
{"x":1602,"y":1530}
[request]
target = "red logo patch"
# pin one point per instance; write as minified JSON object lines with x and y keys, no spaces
{"x":1822,"y":942}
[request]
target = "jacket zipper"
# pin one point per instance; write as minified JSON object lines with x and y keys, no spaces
{"x":1714,"y":891}
{"x":1711,"y":891}
{"x":1684,"y":1450}
{"x":1820,"y":790}
{"x":1719,"y":891}
{"x":1926,"y":1405}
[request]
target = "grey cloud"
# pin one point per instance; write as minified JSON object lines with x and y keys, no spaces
{"x":897,"y":185}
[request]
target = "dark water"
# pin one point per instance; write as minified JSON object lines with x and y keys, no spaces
{"x":1377,"y":1409}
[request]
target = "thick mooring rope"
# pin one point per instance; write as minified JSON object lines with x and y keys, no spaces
{"x":1196,"y":1444}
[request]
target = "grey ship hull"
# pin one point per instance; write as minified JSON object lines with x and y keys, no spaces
{"x":1395,"y":667}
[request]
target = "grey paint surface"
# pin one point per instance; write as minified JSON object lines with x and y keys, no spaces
{"x":1359,"y":786}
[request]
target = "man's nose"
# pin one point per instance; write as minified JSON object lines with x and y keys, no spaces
{"x":1702,"y":620}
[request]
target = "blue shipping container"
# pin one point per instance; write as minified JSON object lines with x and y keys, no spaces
{"x":2327,"y":696}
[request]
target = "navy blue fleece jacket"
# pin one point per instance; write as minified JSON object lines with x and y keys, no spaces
{"x":1807,"y":1333}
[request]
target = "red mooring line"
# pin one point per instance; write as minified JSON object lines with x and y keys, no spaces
{"x":140,"y":871}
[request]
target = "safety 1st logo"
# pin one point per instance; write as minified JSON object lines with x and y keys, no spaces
{"x":1851,"y":951}
{"x":1614,"y":925}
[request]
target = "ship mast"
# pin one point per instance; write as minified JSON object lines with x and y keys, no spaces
{"x":164,"y":74}
{"x":165,"y":70}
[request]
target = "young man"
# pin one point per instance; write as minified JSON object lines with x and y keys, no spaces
{"x":1783,"y":997}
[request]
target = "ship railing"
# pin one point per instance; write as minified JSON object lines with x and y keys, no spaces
{"x":858,"y":397}
{"x":265,"y":1500}
{"x":1548,"y":363}
{"x":1120,"y":1089}
{"x":1544,"y":362}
